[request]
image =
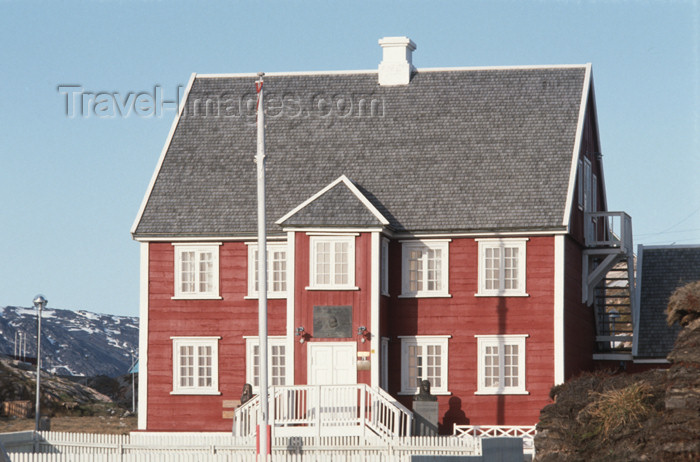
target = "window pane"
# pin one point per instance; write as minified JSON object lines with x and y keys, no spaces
{"x":510,"y":265}
{"x":204,"y":372}
{"x":492,"y":257}
{"x":341,"y":263}
{"x":491,"y":366}
{"x":323,"y":263}
{"x":434,"y":276}
{"x":415,"y":370}
{"x":206,"y":272}
{"x":186,"y":366}
{"x":415,"y":270}
{"x":510,"y":365}
{"x":187,"y":272}
{"x":256,"y":365}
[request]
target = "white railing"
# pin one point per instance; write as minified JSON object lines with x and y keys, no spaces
{"x":327,"y":410}
{"x":609,"y":229}
{"x":526,"y":432}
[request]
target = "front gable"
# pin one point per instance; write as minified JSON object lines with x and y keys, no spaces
{"x":340,"y":204}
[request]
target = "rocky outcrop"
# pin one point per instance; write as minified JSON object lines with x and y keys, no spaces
{"x":650,"y":416}
{"x":58,"y":395}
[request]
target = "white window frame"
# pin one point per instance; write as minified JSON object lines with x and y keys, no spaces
{"x":384,"y":282}
{"x":195,"y":389}
{"x":384,"y":364}
{"x":594,"y":193}
{"x":272,"y":247}
{"x":579,"y":179}
{"x":424,"y":341}
{"x":272,"y":341}
{"x":197,"y":293}
{"x":313,"y":263}
{"x":443,"y":245}
{"x":587,"y":183}
{"x":500,"y":341}
{"x":502,"y":244}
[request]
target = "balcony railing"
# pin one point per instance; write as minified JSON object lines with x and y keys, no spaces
{"x":609,"y":229}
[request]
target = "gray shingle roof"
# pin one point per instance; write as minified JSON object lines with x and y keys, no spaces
{"x":455,"y":150}
{"x":663,"y":270}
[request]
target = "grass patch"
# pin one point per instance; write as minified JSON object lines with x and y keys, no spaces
{"x":613,"y":410}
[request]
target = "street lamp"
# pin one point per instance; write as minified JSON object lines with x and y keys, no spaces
{"x":40,"y":303}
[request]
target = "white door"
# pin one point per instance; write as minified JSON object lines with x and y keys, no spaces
{"x":333,"y":364}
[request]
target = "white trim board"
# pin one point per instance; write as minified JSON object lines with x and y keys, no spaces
{"x":583,"y":108}
{"x":559,"y":320}
{"x":143,"y":337}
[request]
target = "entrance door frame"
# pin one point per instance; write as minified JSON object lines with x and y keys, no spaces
{"x":309,"y":355}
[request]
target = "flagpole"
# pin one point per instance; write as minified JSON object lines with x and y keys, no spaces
{"x":262,"y":273}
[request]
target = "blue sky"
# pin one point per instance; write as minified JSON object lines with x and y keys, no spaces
{"x":70,"y":187}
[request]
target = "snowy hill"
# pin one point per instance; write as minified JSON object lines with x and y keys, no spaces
{"x":73,"y":342}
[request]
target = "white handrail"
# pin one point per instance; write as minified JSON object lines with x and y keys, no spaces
{"x":308,"y":409}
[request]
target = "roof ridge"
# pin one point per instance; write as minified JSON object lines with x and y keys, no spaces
{"x":375,"y":71}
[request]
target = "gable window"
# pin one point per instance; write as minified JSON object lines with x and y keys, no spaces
{"x":196,"y":271}
{"x":501,"y":364}
{"x":424,"y":358}
{"x":195,"y":365}
{"x":276,"y":270}
{"x":502,"y":267}
{"x":276,"y":361}
{"x":332,"y":263}
{"x":425,"y":268}
{"x":384,"y":284}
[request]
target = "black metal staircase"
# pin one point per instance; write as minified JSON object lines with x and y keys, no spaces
{"x":608,"y":279}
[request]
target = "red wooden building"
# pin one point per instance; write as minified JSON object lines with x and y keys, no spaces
{"x":449,"y":225}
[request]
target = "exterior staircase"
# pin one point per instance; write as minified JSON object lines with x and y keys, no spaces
{"x":327,"y":411}
{"x":608,"y":279}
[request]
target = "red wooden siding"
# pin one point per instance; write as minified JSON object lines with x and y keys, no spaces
{"x":305,"y":300}
{"x":464,"y":315}
{"x":230,"y":318}
{"x":579,"y":321}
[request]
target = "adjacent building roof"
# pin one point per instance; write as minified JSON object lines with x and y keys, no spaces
{"x":661,"y":270}
{"x":455,"y":150}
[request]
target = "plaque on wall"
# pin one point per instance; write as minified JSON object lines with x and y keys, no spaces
{"x":332,"y":322}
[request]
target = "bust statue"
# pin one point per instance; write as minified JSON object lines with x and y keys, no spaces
{"x":424,"y":391}
{"x":247,"y":393}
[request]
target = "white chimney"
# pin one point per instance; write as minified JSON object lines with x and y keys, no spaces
{"x":397,"y":61}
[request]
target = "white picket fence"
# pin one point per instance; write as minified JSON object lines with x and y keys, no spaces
{"x":222,"y":447}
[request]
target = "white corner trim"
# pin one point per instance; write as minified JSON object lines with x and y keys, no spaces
{"x":291,"y":328}
{"x":351,"y":187}
{"x":375,"y":297}
{"x":143,"y":337}
{"x":559,"y":345}
{"x":152,"y":183}
{"x":577,"y":146}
